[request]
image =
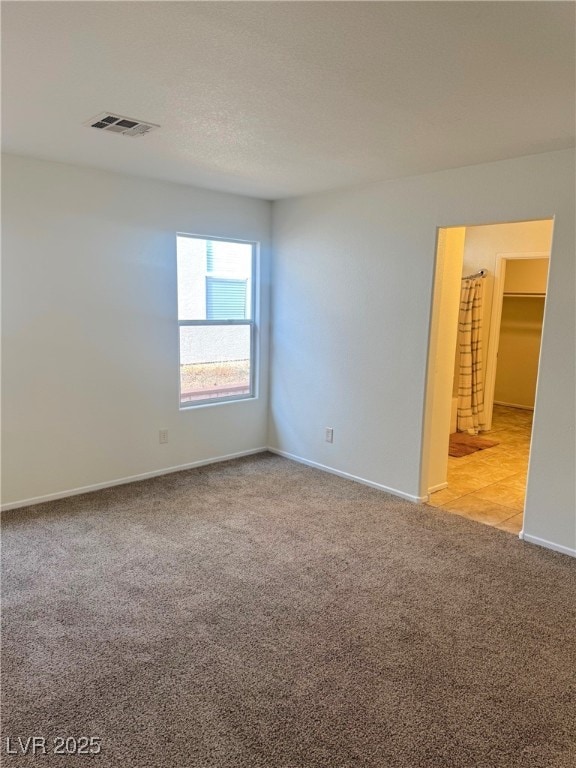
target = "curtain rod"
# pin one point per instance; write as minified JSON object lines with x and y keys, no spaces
{"x":480,"y":273}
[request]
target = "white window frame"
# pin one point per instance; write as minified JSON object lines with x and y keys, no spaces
{"x":252,"y":322}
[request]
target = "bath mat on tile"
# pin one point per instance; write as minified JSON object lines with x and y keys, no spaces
{"x":462,"y":444}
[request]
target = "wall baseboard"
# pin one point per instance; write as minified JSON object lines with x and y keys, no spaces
{"x":514,"y":405}
{"x":439,"y":487}
{"x":547,"y":544}
{"x":347,"y":476}
{"x":125,"y":480}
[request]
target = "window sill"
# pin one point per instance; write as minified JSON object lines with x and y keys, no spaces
{"x":209,"y":403}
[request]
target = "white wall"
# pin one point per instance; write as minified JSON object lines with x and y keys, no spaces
{"x":352,"y":290}
{"x":90,"y":337}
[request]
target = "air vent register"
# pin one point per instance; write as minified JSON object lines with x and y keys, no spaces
{"x":127,"y":126}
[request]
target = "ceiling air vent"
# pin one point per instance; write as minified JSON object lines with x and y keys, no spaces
{"x":127,"y":126}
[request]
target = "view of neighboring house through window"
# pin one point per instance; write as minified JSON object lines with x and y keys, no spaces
{"x":216,"y":319}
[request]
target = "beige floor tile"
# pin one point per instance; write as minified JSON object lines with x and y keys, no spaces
{"x":500,"y":454}
{"x":451,"y":511}
{"x":479,"y":476}
{"x":508,"y":432}
{"x":501,"y":434}
{"x":461,"y":466}
{"x":462,"y":483}
{"x":492,"y":454}
{"x":502,"y":466}
{"x":512,"y":525}
{"x":442,"y":497}
{"x":518,"y":482}
{"x":495,"y":449}
{"x":460,"y":461}
{"x":501,"y":493}
{"x":508,"y":446}
{"x":517,"y":447}
{"x":480,"y":510}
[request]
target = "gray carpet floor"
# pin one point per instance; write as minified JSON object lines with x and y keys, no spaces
{"x":262,"y":614}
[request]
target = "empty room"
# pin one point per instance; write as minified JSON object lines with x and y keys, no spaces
{"x":288,"y":384}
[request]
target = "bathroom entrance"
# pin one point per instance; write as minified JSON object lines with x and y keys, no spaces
{"x":488,"y":309}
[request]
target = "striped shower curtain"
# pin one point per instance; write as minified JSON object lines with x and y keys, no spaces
{"x":471,"y":376}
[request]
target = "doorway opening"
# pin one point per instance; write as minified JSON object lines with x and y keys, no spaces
{"x":485,"y":337}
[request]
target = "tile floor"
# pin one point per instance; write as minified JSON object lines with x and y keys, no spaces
{"x":489,"y":486}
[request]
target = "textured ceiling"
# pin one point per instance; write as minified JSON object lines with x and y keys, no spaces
{"x":284,"y":98}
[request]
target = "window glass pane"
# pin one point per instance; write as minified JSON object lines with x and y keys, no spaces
{"x":202,"y":261}
{"x":214,"y":362}
{"x":191,"y":253}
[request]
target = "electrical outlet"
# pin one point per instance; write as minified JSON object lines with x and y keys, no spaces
{"x":329,"y":435}
{"x":163,"y":436}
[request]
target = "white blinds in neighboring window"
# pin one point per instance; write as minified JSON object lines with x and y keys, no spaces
{"x":225,"y":299}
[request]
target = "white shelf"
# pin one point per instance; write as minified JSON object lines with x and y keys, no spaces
{"x":525,"y":295}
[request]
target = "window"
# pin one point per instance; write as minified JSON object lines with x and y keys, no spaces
{"x":216,"y":319}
